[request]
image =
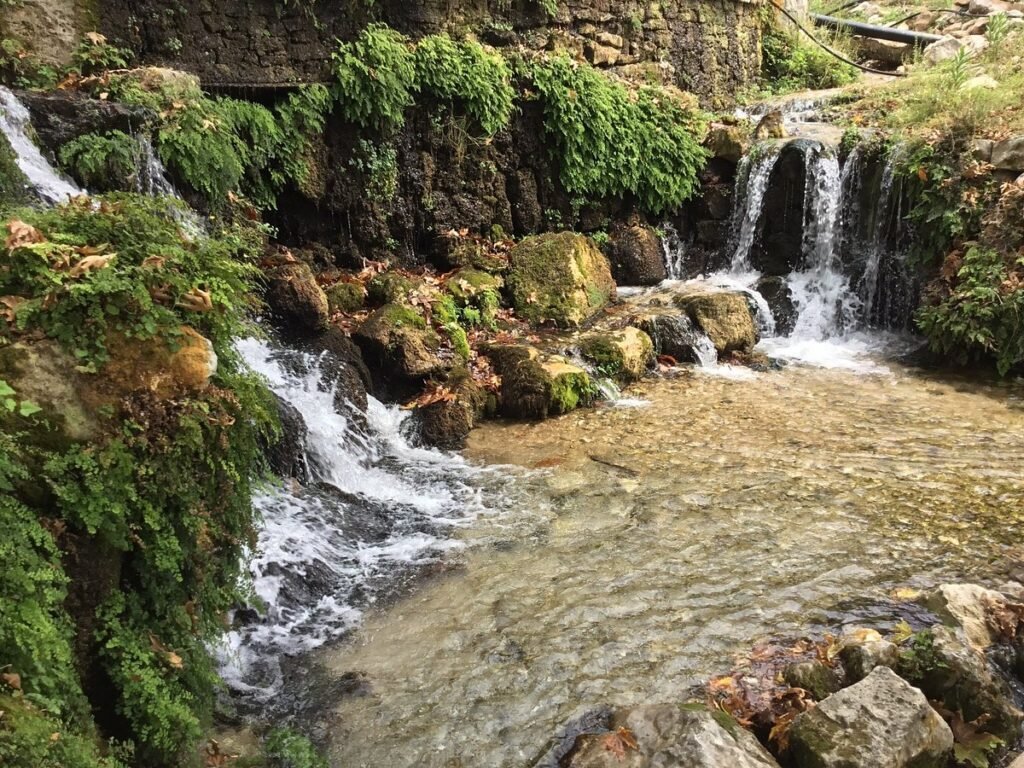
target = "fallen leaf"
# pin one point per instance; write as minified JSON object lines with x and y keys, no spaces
{"x":618,"y":741}
{"x":90,"y":264}
{"x":95,"y":38}
{"x":12,"y":679}
{"x":196,"y":300}
{"x":20,"y":234}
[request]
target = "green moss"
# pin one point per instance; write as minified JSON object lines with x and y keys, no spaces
{"x":388,"y":287}
{"x":402,"y":316}
{"x":346,"y":297}
{"x":102,"y":162}
{"x":13,"y":183}
{"x":605,"y":354}
{"x":460,"y":342}
{"x":571,"y":390}
{"x":27,"y":740}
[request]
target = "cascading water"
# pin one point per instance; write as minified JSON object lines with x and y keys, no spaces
{"x":42,"y":178}
{"x":151,"y":176}
{"x":375,"y":508}
{"x":752,"y":177}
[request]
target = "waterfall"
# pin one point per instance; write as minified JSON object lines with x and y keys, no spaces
{"x":151,"y":176}
{"x":752,"y":176}
{"x":825,"y":304}
{"x":42,"y":177}
{"x":673,"y":250}
{"x":375,"y":509}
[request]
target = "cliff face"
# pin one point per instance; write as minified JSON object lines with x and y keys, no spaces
{"x":708,"y":47}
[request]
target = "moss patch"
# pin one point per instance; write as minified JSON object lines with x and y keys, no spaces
{"x":13,"y":183}
{"x":346,"y":297}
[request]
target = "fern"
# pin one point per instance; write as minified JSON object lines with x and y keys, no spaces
{"x":102,"y":162}
{"x":375,"y":78}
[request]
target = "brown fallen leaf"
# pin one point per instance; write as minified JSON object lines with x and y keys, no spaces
{"x":434,"y":393}
{"x":153,"y":262}
{"x":9,"y":305}
{"x":95,"y":38}
{"x":618,"y":741}
{"x":12,"y":680}
{"x":20,"y":234}
{"x":196,"y":300}
{"x":90,"y":264}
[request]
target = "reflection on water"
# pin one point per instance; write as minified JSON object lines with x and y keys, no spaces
{"x":651,"y":544}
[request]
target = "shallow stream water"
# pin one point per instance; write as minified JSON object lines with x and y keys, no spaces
{"x":647,"y":546}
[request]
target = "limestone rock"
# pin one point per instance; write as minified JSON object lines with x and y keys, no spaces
{"x":724,"y":316}
{"x":673,"y":333}
{"x":561,"y":278}
{"x":398,"y":340}
{"x":345,"y":297}
{"x":295,"y":299}
{"x":885,"y":51}
{"x":942,"y":50}
{"x":812,"y":676}
{"x":779,"y":297}
{"x":980,"y":7}
{"x":1008,"y":155}
{"x":624,"y":354}
{"x":860,"y":657}
{"x":967,"y":606}
{"x":636,"y":256}
{"x":981,"y":81}
{"x":771,"y":126}
{"x":728,"y":142}
{"x":962,"y":679}
{"x":670,"y":735}
{"x":446,"y":425}
{"x":468,"y":285}
{"x":881,"y":722}
{"x":287,"y":455}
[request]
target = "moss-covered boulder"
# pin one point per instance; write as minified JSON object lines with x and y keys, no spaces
{"x":725,"y":316}
{"x":469,"y":285}
{"x":446,"y":424}
{"x":475,"y":254}
{"x":728,"y":142}
{"x":536,"y":386}
{"x":559,"y":278}
{"x":623,"y":354}
{"x":397,"y":341}
{"x":295,"y":299}
{"x":390,"y":287}
{"x":345,"y":297}
{"x":636,"y":255}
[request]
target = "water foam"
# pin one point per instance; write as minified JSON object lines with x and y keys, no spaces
{"x":42,"y":178}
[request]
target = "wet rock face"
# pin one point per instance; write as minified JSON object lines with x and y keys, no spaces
{"x":624,"y":354}
{"x":59,"y":117}
{"x":397,"y":343}
{"x":673,"y":333}
{"x":860,"y":658}
{"x":295,"y":299}
{"x":881,"y":722}
{"x":778,"y":248}
{"x":287,"y":457}
{"x":636,"y":256}
{"x":779,"y":298}
{"x":671,"y":735}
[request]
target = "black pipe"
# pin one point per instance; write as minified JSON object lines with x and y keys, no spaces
{"x":875,"y":31}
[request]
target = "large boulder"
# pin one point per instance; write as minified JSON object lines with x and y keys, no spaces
{"x":969,"y":606}
{"x":861,"y":655}
{"x":535,"y":386}
{"x":559,"y":278}
{"x":725,"y":316}
{"x":1008,"y":154}
{"x":61,"y":116}
{"x":881,"y":722}
{"x":623,"y":354}
{"x":673,"y":333}
{"x":636,"y":256}
{"x":295,"y":299}
{"x":671,"y":735}
{"x":396,"y":340}
{"x":960,"y":677}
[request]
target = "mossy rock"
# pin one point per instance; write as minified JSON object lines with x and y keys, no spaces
{"x":295,"y":299}
{"x":728,"y":142}
{"x":474,"y":254}
{"x":346,"y":297}
{"x":13,"y":182}
{"x":624,"y":354}
{"x":396,"y":339}
{"x":725,"y":316}
{"x":468,"y":284}
{"x":534,"y":386}
{"x":560,"y":278}
{"x":446,"y":425}
{"x":389,"y":287}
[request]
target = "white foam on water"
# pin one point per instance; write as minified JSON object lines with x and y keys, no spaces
{"x":323,"y":550}
{"x":15,"y":124}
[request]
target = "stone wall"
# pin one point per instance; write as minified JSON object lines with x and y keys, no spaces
{"x":709,"y":47}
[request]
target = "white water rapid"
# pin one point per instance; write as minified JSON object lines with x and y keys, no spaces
{"x":375,"y":509}
{"x":42,"y":177}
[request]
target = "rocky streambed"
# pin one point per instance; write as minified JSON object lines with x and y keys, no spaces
{"x":644,"y":547}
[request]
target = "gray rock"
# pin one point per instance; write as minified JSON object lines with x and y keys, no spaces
{"x":881,"y":722}
{"x":1008,"y":154}
{"x":669,"y":735}
{"x":942,"y":50}
{"x":812,"y":676}
{"x":981,"y":150}
{"x":860,"y":658}
{"x":779,"y":297}
{"x":980,"y":7}
{"x":967,"y":606}
{"x":962,"y":679}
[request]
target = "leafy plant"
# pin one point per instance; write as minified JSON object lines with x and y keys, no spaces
{"x":94,"y":54}
{"x":379,"y":164}
{"x":790,"y":62}
{"x":375,"y":78}
{"x":468,"y":77}
{"x":20,"y":68}
{"x":998,"y":29}
{"x":102,"y":162}
{"x":288,"y":749}
{"x":611,"y":142}
{"x":959,"y":69}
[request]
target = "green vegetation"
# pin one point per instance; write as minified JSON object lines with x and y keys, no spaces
{"x":612,"y":142}
{"x":376,"y":78}
{"x":102,"y":162}
{"x":468,"y":78}
{"x":152,"y":508}
{"x":379,"y":165}
{"x":287,"y":749}
{"x":792,"y":62}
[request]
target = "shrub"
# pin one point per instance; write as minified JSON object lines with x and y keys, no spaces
{"x":468,"y":77}
{"x":376,"y":78}
{"x":791,"y":62}
{"x":612,"y":142}
{"x":102,"y":162}
{"x":94,"y":54}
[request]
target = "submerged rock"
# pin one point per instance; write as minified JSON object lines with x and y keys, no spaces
{"x":636,"y":256}
{"x":724,"y":316}
{"x":295,"y":299}
{"x":860,"y":657}
{"x":672,"y":735}
{"x":559,"y":278}
{"x":812,"y":676}
{"x":624,"y":354}
{"x":881,"y":722}
{"x":673,"y":333}
{"x":396,"y":338}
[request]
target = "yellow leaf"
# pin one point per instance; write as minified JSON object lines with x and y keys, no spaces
{"x":90,"y":263}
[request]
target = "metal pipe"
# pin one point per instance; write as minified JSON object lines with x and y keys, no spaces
{"x":873,"y":30}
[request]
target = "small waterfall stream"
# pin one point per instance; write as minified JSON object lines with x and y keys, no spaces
{"x":42,"y":177}
{"x":752,"y":177}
